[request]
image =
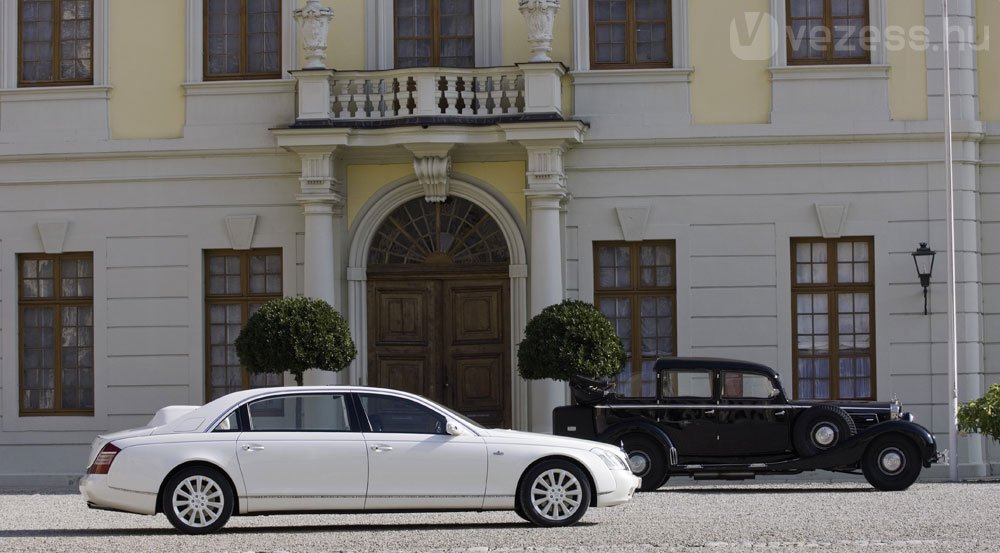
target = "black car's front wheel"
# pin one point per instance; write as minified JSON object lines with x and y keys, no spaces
{"x":647,"y":461}
{"x":554,"y":493}
{"x":891,"y":463}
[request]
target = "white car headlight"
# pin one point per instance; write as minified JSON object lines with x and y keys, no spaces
{"x":612,"y":460}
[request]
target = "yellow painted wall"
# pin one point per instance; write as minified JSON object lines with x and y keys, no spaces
{"x":346,"y":38}
{"x":727,"y":88}
{"x":507,"y":177}
{"x":908,"y":76}
{"x":988,"y":16}
{"x":514,"y":41}
{"x":147,"y":68}
{"x":364,"y":181}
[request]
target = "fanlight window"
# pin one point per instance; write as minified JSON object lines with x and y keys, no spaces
{"x":455,"y":231}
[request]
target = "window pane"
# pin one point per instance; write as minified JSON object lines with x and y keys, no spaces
{"x":687,"y":383}
{"x":300,"y":413}
{"x":398,"y":415}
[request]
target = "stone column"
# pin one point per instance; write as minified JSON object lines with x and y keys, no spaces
{"x":545,"y":193}
{"x":539,"y":15}
{"x":322,"y":202}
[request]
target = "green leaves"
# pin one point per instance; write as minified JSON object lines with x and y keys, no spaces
{"x":982,"y":415}
{"x":572,"y":337}
{"x":293,"y":335}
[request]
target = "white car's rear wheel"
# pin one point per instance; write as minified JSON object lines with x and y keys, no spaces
{"x":198,"y":500}
{"x":554,"y":493}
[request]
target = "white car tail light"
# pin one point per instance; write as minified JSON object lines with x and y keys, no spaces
{"x":104,"y":459}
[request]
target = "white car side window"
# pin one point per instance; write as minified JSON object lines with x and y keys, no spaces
{"x":300,"y":413}
{"x":400,"y":415}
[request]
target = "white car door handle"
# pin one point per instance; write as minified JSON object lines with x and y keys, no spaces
{"x":252,"y":447}
{"x":380,"y":447}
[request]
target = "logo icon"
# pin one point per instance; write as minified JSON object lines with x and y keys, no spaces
{"x":750,"y":36}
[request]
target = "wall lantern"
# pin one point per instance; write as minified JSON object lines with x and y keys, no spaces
{"x":923,"y":258}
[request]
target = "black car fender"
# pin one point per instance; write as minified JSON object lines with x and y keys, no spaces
{"x":850,"y":451}
{"x":922,"y":438}
{"x":614,"y":434}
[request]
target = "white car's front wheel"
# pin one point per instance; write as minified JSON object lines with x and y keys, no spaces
{"x":198,"y":500}
{"x":554,"y":493}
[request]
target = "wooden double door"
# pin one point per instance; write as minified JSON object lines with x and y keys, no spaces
{"x":445,"y":337}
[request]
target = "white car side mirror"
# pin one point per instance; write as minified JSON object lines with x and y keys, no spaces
{"x":453,"y":429}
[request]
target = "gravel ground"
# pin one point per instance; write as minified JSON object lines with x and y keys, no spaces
{"x":723,"y":518}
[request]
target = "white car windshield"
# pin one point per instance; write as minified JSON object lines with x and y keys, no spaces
{"x":456,"y":415}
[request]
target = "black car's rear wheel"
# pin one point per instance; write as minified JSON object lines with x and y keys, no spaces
{"x":647,"y":461}
{"x":891,"y":463}
{"x":820,"y":428}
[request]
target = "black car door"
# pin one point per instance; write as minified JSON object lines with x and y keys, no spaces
{"x":752,"y":418}
{"x":688,"y":410}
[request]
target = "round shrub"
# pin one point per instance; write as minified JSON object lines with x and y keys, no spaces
{"x":294,"y":335}
{"x":982,"y":415}
{"x":569,"y":338}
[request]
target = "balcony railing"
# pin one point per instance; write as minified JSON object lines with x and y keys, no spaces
{"x":430,"y":95}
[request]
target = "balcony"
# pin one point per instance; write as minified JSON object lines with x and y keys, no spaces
{"x":429,"y":96}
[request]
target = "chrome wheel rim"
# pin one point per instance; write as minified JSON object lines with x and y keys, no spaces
{"x":638,"y":461}
{"x":556,"y":494}
{"x":891,"y":461}
{"x":824,"y":434}
{"x":198,"y":501}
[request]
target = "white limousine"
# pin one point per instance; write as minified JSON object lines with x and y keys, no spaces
{"x":344,"y":449}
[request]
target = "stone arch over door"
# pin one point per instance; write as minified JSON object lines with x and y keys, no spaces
{"x":363,"y":232}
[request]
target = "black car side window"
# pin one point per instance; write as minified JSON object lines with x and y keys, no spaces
{"x":739,"y":385}
{"x":696,"y":383}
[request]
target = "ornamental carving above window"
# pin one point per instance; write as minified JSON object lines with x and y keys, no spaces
{"x":455,"y":231}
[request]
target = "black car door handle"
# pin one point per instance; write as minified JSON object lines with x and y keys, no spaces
{"x":710,"y":412}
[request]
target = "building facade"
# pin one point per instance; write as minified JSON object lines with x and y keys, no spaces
{"x":730,"y":179}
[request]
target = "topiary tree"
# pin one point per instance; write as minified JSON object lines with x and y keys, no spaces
{"x":294,"y":335}
{"x":982,"y":415}
{"x":569,"y":338}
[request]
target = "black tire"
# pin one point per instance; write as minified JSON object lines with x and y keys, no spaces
{"x":519,"y":510}
{"x":820,"y":428}
{"x":647,"y":461}
{"x":554,"y":493}
{"x":198,"y":500}
{"x":891,"y":463}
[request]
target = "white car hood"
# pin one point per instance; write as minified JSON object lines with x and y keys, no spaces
{"x":515,"y":436}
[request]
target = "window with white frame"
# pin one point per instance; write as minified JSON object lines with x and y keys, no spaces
{"x":433,"y":33}
{"x":828,"y":32}
{"x":45,"y":43}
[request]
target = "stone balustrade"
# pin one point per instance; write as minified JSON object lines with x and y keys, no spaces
{"x":429,"y":95}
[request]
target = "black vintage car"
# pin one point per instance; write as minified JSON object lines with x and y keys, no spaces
{"x":731,"y":420}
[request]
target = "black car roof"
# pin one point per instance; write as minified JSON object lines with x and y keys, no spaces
{"x":712,"y":363}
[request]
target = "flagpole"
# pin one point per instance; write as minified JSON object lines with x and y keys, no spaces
{"x":950,"y":208}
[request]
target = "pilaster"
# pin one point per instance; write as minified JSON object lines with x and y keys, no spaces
{"x":546,"y":193}
{"x":322,"y":202}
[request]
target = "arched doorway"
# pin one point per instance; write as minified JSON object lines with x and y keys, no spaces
{"x":438,"y":299}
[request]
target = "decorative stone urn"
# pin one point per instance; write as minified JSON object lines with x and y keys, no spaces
{"x":540,"y":16}
{"x":314,"y":21}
